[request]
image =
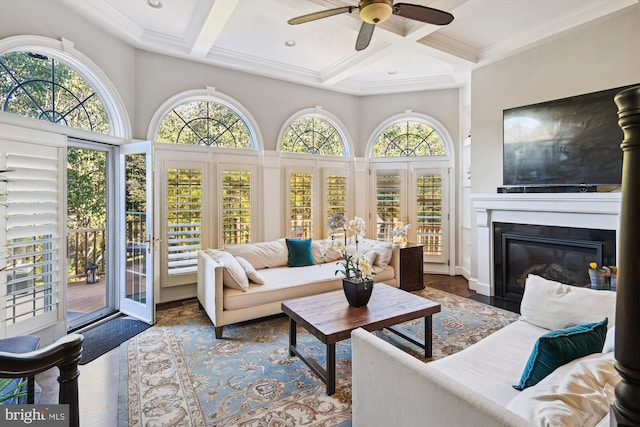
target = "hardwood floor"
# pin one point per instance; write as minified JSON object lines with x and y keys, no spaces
{"x":99,"y":380}
{"x":457,"y":285}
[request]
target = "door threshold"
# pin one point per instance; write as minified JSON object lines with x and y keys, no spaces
{"x":96,"y":322}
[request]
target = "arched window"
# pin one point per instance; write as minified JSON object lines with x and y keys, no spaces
{"x":409,"y":138}
{"x":316,"y":188}
{"x":410,"y":162}
{"x":313,"y":135}
{"x":45,"y":88}
{"x":215,"y":165}
{"x":209,"y":123}
{"x":50,"y":81}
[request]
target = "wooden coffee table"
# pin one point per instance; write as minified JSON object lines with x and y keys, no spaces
{"x":330,"y":318}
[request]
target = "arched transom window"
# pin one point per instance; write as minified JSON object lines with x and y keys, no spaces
{"x":42,"y":87}
{"x":409,"y":138}
{"x":312,"y":135}
{"x":205,"y":123}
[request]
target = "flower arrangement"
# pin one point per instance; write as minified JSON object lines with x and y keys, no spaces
{"x":355,"y":266}
{"x":604,"y":277}
{"x":399,"y":234}
{"x":593,"y":266}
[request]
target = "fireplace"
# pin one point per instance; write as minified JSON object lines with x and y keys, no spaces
{"x":561,"y":254}
{"x":590,"y":211}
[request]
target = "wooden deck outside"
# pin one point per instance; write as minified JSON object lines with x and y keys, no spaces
{"x":85,"y":298}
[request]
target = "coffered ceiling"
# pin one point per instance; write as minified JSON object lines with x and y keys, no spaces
{"x":404,"y":55}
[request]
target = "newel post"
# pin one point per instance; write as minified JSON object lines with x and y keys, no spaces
{"x":625,"y":411}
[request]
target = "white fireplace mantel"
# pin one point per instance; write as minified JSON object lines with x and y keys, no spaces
{"x":582,"y":210}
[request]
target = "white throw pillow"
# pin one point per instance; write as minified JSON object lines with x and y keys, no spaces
{"x":317,"y":246}
{"x":262,"y":255}
{"x":370,"y":255}
{"x":252,"y":274}
{"x":610,"y":341}
{"x":576,"y":394}
{"x":383,"y":250}
{"x":233,"y":275}
{"x":552,"y":305}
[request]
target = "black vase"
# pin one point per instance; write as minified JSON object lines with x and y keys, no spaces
{"x":357,"y":293}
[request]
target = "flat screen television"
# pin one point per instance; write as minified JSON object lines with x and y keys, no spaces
{"x":565,"y":142}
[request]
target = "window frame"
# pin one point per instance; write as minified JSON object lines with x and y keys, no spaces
{"x":317,"y":112}
{"x":209,"y":94}
{"x":417,"y":117}
{"x":64,"y":51}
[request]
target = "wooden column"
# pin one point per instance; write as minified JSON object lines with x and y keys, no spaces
{"x":625,"y":411}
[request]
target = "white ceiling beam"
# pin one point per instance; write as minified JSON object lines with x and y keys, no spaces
{"x":353,"y":63}
{"x":345,"y":68}
{"x":218,"y":16}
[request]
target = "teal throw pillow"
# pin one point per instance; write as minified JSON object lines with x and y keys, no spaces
{"x":299,"y":253}
{"x":556,"y":348}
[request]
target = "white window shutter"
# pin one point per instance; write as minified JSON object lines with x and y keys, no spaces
{"x":429,"y":214}
{"x":236,"y":206}
{"x":34,"y":235}
{"x":300,"y":205}
{"x":184,"y":220}
{"x":388,"y":203}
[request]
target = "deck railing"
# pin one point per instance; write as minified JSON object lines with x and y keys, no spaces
{"x":85,"y":246}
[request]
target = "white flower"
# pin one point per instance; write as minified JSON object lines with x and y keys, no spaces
{"x":357,"y":226}
{"x":355,"y":266}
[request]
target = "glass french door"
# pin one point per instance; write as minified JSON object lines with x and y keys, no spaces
{"x":90,"y":282}
{"x":418,"y":196}
{"x":136,"y":256}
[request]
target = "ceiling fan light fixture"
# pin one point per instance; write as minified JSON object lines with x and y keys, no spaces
{"x":375,"y":12}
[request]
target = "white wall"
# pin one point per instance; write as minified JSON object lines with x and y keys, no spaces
{"x":271,"y":102}
{"x":598,"y":57}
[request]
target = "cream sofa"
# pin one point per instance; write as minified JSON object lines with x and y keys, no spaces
{"x":268,"y":263}
{"x":474,"y":386}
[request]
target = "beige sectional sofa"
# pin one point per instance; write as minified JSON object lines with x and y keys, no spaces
{"x":226,"y":301}
{"x":474,"y":387}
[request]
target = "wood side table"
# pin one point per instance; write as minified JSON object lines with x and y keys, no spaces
{"x":411,"y":267}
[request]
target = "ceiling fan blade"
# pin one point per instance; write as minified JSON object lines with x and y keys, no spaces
{"x":319,"y":15}
{"x":364,"y":36}
{"x":422,"y":13}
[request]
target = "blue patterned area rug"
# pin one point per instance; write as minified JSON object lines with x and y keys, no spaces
{"x":178,"y":373}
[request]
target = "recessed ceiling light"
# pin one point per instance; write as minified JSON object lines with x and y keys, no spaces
{"x":290,"y":43}
{"x":156,"y":4}
{"x":392,"y":72}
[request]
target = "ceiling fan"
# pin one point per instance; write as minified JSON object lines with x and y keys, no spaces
{"x":373,"y":12}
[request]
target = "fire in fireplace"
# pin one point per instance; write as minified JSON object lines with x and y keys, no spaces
{"x":561,"y":254}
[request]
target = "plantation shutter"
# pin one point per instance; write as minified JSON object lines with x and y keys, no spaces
{"x":236,"y":206}
{"x":300,"y":205}
{"x":34,"y":236}
{"x":429,"y":215}
{"x":388,"y":203}
{"x":336,"y":196}
{"x":184,"y":220}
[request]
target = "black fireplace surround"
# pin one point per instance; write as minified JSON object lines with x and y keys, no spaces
{"x":561,"y":254}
